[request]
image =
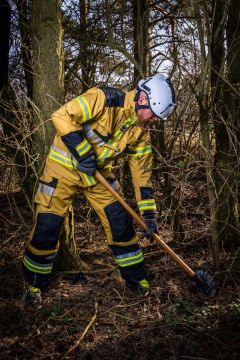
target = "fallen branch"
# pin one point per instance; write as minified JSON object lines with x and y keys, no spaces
{"x":83,"y":334}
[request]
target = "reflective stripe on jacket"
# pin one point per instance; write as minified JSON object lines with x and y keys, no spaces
{"x":109,"y":125}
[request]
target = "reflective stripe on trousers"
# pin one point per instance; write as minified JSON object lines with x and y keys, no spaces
{"x":67,"y":160}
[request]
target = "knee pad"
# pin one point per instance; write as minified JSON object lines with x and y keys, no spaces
{"x":47,"y":231}
{"x":120,"y":221}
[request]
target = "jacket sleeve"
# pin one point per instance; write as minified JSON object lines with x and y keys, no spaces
{"x":140,"y":162}
{"x":72,"y":115}
{"x":70,"y":118}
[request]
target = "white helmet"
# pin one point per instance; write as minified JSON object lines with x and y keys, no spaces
{"x":160,"y":93}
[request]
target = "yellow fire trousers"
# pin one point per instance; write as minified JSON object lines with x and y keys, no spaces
{"x":56,"y":190}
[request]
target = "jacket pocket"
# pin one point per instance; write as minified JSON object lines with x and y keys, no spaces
{"x":45,"y":191}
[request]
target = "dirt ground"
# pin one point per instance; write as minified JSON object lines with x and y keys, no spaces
{"x":99,"y":319}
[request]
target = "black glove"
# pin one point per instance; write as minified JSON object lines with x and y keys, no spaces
{"x":151,"y":222}
{"x":87,"y":163}
{"x":86,"y":160}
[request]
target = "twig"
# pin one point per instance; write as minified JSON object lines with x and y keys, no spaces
{"x":19,"y":214}
{"x":228,"y":271}
{"x":83,"y":334}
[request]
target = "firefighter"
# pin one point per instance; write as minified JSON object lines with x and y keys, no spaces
{"x":92,"y":130}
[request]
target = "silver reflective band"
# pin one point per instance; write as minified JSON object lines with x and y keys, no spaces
{"x":37,"y":267}
{"x":129,"y":259}
{"x":61,"y":152}
{"x":129,"y":255}
{"x":115,"y":185}
{"x":46,"y":189}
{"x":62,"y":157}
{"x":85,"y":108}
{"x":90,"y":135}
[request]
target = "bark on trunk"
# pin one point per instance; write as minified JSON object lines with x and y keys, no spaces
{"x":5,"y":18}
{"x":47,"y":67}
{"x":141,"y":38}
{"x":48,"y":96}
{"x":24,"y":13}
{"x":84,"y":47}
{"x":225,"y":156}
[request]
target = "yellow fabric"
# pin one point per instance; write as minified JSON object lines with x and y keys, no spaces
{"x":72,"y":115}
{"x":141,"y":167}
{"x":59,"y":202}
{"x":110,"y":131}
{"x":144,"y":283}
{"x":34,"y":290}
{"x":88,"y":113}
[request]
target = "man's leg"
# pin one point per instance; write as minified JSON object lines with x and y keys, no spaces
{"x":55,"y":192}
{"x":42,"y":248}
{"x":121,"y":236}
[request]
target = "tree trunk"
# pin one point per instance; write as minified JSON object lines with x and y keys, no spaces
{"x":141,"y":38}
{"x":84,"y":50}
{"x":48,"y":96}
{"x":225,"y":156}
{"x":233,"y":91}
{"x":140,"y":35}
{"x":68,"y":258}
{"x":5,"y":18}
{"x":170,"y":195}
{"x":202,"y":94}
{"x":24,"y":15}
{"x":211,"y":189}
{"x":47,"y":48}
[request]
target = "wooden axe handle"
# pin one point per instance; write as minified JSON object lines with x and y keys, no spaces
{"x":172,"y":254}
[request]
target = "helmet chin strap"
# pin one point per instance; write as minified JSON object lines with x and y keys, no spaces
{"x":137,"y":106}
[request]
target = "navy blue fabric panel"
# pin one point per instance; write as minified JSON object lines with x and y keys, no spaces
{"x":40,"y":259}
{"x":104,"y":138}
{"x":146,"y":193}
{"x":87,"y":162}
{"x":150,"y":213}
{"x":47,"y":231}
{"x":40,"y":281}
{"x":114,"y":97}
{"x":120,"y":221}
{"x":122,"y":250}
{"x":72,"y":140}
{"x":133,"y":273}
{"x":129,"y":151}
{"x":53,"y":183}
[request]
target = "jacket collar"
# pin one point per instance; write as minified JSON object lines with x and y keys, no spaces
{"x":129,"y":99}
{"x":129,"y":103}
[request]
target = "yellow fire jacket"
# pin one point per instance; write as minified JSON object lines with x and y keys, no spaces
{"x":107,"y":118}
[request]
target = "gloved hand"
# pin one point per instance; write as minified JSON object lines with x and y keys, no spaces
{"x":87,"y":163}
{"x":81,"y":150}
{"x":151,"y":222}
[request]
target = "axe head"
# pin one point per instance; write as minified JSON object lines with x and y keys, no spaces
{"x":205,"y":282}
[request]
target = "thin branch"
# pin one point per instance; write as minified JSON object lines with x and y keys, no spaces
{"x":74,"y":347}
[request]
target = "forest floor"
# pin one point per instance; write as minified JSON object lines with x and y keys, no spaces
{"x":99,"y":319}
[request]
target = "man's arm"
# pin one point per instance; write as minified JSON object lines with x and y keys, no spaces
{"x":140,"y":162}
{"x":69,"y":120}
